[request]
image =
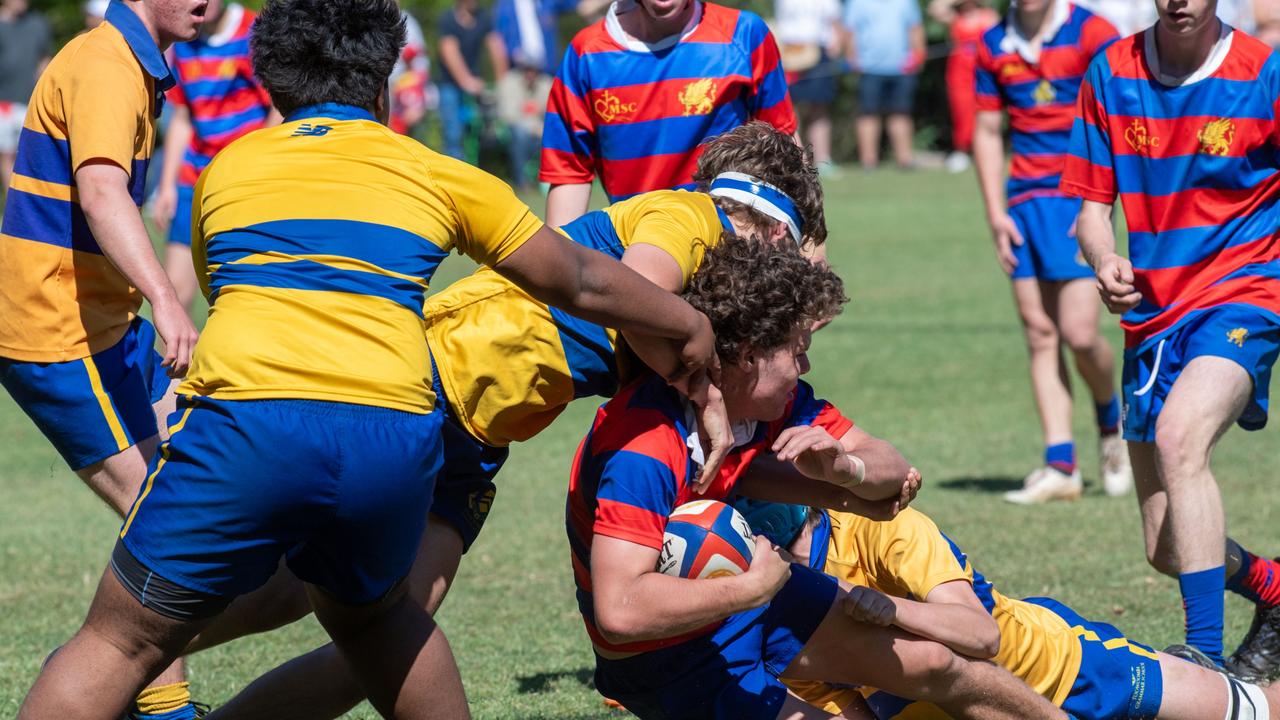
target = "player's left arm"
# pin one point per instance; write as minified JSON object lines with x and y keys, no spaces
{"x":951,"y":615}
{"x":771,"y":480}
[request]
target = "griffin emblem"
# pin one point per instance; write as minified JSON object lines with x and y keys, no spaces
{"x":698,"y":97}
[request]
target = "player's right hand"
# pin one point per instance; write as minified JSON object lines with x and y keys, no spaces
{"x":163,"y":206}
{"x":769,"y":570}
{"x":869,"y":606}
{"x":1115,"y":284}
{"x":177,"y":333}
{"x":1004,"y":232}
{"x":698,"y":354}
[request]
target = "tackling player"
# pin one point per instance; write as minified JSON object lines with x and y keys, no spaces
{"x":639,"y":91}
{"x":307,"y":426}
{"x":1180,"y":123}
{"x":215,"y":101}
{"x":673,"y":648}
{"x":907,"y":574}
{"x":1033,"y":64}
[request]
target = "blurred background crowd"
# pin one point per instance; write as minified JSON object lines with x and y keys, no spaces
{"x":870,"y":79}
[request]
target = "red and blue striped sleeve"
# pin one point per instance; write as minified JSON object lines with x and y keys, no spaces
{"x":989,"y":97}
{"x":640,"y":462}
{"x":568,"y":131}
{"x":1089,"y":171}
{"x":1097,"y":35}
{"x":770,"y":100}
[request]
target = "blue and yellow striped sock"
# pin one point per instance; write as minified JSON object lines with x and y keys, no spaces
{"x":165,"y":702}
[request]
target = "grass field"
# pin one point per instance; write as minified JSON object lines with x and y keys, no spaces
{"x":928,"y":354}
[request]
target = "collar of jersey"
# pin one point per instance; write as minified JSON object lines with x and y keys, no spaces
{"x":139,"y":39}
{"x":336,"y":111}
{"x":1015,"y":41}
{"x":614,"y":27}
{"x":1210,"y":66}
{"x":231,"y":21}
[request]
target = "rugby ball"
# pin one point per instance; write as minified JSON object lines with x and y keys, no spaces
{"x":706,"y":539}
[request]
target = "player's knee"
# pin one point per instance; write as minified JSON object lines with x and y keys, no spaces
{"x":1080,"y":339}
{"x":934,"y":669}
{"x":1040,"y":333}
{"x":1180,"y":449}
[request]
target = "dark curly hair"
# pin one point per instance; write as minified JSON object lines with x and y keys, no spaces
{"x":307,"y":52}
{"x":762,"y":151}
{"x":757,"y":294}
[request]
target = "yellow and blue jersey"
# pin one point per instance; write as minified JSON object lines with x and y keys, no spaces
{"x":61,"y":299}
{"x":510,"y":364}
{"x":1042,"y":642}
{"x":314,"y":242}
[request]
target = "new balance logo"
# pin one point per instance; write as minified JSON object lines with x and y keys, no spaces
{"x":309,"y":130}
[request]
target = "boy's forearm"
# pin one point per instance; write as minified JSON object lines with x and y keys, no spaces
{"x":1095,"y":232}
{"x":885,"y":469}
{"x":988,"y":161}
{"x":117,"y":227}
{"x":566,"y":203}
{"x":176,"y":140}
{"x":955,"y":626}
{"x":658,"y":606}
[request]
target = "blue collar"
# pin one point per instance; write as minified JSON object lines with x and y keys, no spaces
{"x":820,"y":543}
{"x":337,"y":111}
{"x":140,"y":42}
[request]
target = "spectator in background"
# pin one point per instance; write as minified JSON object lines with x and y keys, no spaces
{"x":640,"y":90}
{"x":409,"y":79}
{"x":809,"y":35}
{"x":25,"y":47}
{"x":1266,"y":15}
{"x":887,"y":48}
{"x":466,"y":30}
{"x":95,"y":11}
{"x":966,"y":20}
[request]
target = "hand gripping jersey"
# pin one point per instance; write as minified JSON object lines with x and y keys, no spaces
{"x":315,"y":241}
{"x":60,"y":297}
{"x":1039,"y":92}
{"x":510,"y":364}
{"x":216,"y":84}
{"x":1195,"y":168}
{"x":634,"y":115}
{"x":634,"y":468}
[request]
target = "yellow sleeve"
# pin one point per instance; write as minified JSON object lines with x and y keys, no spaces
{"x":199,"y":244}
{"x":491,"y":221}
{"x":913,"y":556}
{"x":104,"y":111}
{"x":680,"y":226}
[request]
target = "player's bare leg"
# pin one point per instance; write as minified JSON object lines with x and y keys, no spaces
{"x":842,"y":650}
{"x":1153,"y":502}
{"x":181,"y":272}
{"x":118,"y":478}
{"x":867,"y":128}
{"x":1192,"y":692}
{"x":902,"y":130}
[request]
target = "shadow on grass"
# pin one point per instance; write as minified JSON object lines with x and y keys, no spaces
{"x":990,"y":484}
{"x":542,"y":682}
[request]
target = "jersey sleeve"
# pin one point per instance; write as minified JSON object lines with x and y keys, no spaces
{"x":678,"y":228}
{"x":770,"y":100}
{"x":199,"y":249}
{"x":569,"y":147}
{"x":807,"y":409}
{"x":103,"y":114}
{"x":637,"y":490}
{"x":910,"y":554}
{"x":1089,"y":172}
{"x":989,"y":94}
{"x":1097,"y":35}
{"x":491,"y":221}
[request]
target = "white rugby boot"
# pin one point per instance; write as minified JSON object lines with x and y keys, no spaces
{"x":1047,"y":484}
{"x":1113,"y":456}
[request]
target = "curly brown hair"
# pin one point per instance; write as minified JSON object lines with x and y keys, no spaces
{"x":762,"y":151}
{"x":758,"y":294}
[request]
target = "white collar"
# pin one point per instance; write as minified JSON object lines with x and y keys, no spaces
{"x":1015,"y":41}
{"x":743,"y":431}
{"x":614,"y":28}
{"x":231,"y":20}
{"x":1209,"y":67}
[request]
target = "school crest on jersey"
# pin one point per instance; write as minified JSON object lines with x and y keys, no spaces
{"x":1216,"y":137}
{"x":1044,"y":93}
{"x":1237,"y":337}
{"x":1139,"y":139}
{"x":1010,"y":69}
{"x":609,"y":107}
{"x":698,"y":97}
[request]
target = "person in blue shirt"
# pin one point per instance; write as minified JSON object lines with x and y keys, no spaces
{"x":887,"y":50}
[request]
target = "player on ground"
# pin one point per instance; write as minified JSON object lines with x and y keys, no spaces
{"x":639,"y":91}
{"x":76,"y":262}
{"x":507,"y":365}
{"x":1033,"y":64}
{"x":307,"y":426}
{"x":1180,"y":122}
{"x":215,"y":101}
{"x":907,"y":574}
{"x":675,"y":648}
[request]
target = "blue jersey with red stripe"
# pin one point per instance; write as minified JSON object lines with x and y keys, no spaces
{"x":1040,"y":95}
{"x":635,"y":117}
{"x":634,"y":468}
{"x":1195,"y":167}
{"x":216,"y":84}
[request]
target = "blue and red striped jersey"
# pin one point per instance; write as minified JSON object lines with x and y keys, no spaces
{"x":1039,"y":93}
{"x":216,"y":84}
{"x":634,"y":116}
{"x":1195,"y":167}
{"x":634,"y":468}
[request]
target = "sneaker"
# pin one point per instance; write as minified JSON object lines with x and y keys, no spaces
{"x":1113,"y":455}
{"x":1047,"y":484}
{"x":1194,"y":656}
{"x":956,"y":162}
{"x":1257,"y":660}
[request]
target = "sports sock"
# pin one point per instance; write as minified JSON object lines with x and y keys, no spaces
{"x":165,"y":702}
{"x":1245,"y":701}
{"x":1108,"y":414}
{"x":1061,"y":457}
{"x":1202,"y":600}
{"x":1257,"y":580}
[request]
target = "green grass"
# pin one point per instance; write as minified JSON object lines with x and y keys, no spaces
{"x":928,"y":354}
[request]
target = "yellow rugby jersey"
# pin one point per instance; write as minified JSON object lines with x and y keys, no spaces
{"x":314,"y":242}
{"x":510,"y":364}
{"x":909,"y":557}
{"x":60,"y":298}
